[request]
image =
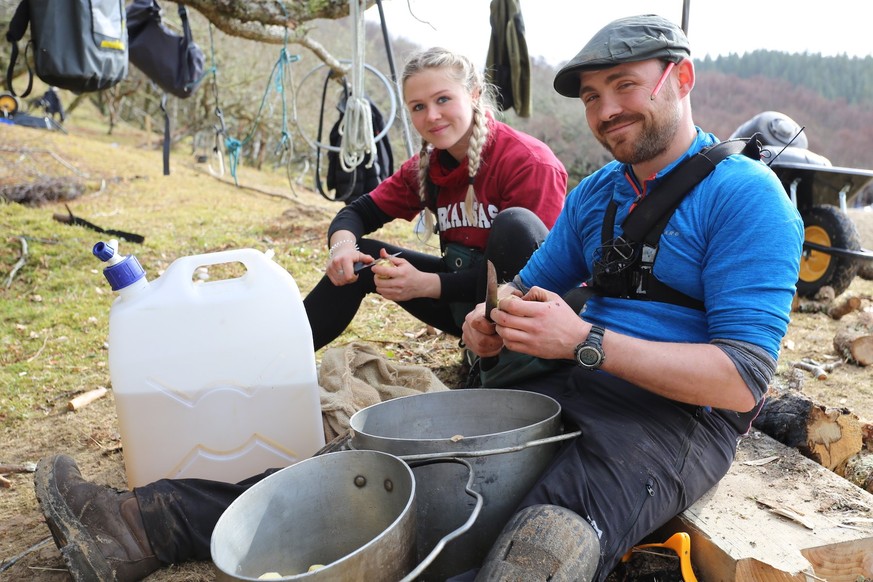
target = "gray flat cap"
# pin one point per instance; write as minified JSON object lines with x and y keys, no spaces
{"x":626,"y":40}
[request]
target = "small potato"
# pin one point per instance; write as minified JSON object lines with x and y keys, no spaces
{"x":382,"y":263}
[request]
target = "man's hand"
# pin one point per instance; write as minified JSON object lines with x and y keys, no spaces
{"x":479,"y":333}
{"x":540,"y":323}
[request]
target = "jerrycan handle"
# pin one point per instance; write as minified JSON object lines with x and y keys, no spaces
{"x":183,"y":268}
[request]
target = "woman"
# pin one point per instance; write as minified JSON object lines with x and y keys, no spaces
{"x":469,"y":165}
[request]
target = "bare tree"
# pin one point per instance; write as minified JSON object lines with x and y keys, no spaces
{"x":274,"y":21}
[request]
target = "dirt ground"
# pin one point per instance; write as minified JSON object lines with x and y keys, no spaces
{"x":91,"y":436}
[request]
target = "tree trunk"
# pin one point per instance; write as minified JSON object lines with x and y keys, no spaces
{"x":829,"y":436}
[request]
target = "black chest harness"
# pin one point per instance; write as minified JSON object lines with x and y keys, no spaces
{"x":623,"y":265}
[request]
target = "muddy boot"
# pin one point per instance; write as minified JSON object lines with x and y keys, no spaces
{"x":543,"y":542}
{"x":99,"y":530}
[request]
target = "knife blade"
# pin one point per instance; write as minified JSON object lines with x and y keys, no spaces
{"x":360,"y":265}
{"x":491,"y":300}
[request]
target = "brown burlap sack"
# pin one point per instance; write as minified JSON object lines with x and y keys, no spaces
{"x":354,"y":376}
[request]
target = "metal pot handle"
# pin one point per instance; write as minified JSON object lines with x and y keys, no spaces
{"x":500,"y":451}
{"x":459,"y":531}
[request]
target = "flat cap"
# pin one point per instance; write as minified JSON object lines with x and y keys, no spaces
{"x":626,"y":40}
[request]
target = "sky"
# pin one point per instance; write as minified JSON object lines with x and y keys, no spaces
{"x":557,"y":29}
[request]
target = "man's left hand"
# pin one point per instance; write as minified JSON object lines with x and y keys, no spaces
{"x":540,"y":323}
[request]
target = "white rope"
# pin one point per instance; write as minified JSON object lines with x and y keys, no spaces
{"x":356,"y":129}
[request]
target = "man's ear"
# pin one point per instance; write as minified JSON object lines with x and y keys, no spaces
{"x":686,"y":77}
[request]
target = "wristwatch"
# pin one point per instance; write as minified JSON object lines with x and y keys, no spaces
{"x":589,"y":354}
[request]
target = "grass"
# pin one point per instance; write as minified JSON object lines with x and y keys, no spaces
{"x":56,"y":307}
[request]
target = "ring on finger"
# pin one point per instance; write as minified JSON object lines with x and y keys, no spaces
{"x":340,"y":271}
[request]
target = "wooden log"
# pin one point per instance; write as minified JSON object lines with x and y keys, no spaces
{"x":844,"y":307}
{"x":867,"y":434}
{"x":828,"y":436}
{"x":854,"y":340}
{"x":736,"y":536}
{"x":86,"y":398}
{"x":859,"y":470}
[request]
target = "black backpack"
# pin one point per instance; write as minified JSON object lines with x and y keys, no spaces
{"x":174,"y":62}
{"x":79,"y":45}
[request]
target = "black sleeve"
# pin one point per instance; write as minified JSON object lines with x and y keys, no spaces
{"x":360,"y":217}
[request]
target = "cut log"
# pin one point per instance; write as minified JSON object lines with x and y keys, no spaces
{"x":867,"y":434}
{"x":828,"y":436}
{"x":844,"y":307}
{"x":823,"y":531}
{"x":859,"y":470}
{"x":83,"y":400}
{"x":854,"y":340}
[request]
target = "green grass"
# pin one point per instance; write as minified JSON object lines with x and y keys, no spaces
{"x":55,"y":312}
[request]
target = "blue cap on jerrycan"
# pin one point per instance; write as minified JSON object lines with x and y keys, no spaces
{"x":121,"y":271}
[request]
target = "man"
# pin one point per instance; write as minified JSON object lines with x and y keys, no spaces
{"x":666,"y":380}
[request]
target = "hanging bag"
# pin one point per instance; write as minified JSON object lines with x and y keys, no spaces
{"x":174,"y":62}
{"x":79,"y":45}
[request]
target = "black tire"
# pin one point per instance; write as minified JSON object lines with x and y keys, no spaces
{"x":828,"y":226}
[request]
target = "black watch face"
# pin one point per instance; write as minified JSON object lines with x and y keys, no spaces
{"x":588,"y":356}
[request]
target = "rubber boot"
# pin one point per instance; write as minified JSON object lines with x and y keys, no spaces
{"x":99,"y":530}
{"x":543,"y":542}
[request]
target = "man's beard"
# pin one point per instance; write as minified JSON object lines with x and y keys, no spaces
{"x":655,"y":138}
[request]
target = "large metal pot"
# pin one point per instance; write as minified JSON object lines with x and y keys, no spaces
{"x":471,"y":423}
{"x":351,"y":511}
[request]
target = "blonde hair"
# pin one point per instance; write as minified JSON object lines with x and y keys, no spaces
{"x":463,"y":71}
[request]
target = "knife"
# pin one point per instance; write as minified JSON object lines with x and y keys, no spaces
{"x":490,"y":291}
{"x":360,"y":265}
{"x":488,"y":362}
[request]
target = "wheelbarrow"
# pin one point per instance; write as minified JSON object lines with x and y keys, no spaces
{"x":821,"y":192}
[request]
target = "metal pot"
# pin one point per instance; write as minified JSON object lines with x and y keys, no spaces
{"x":351,"y":512}
{"x":473,"y":424}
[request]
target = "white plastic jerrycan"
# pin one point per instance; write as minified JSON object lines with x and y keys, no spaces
{"x":213,"y":379}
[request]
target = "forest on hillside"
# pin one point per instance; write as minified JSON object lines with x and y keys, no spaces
{"x":274,"y":110}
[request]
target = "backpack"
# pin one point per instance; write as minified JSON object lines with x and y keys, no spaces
{"x":78,"y":45}
{"x":175,"y":63}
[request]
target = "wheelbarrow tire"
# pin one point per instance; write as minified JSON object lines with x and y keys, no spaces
{"x":827,"y":226}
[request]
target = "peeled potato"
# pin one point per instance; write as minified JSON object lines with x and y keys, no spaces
{"x":382,"y":263}
{"x":270,"y":576}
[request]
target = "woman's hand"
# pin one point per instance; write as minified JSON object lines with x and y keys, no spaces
{"x":396,"y":279}
{"x":341,"y":266}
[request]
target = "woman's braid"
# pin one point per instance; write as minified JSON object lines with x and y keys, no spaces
{"x":474,"y":156}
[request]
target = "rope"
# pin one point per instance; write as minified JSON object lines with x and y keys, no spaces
{"x":356,"y":128}
{"x":281,"y":71}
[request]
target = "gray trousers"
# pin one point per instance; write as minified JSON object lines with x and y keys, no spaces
{"x":641,"y":459}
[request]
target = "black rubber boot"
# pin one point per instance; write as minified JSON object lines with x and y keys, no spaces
{"x":543,"y":542}
{"x":99,"y":530}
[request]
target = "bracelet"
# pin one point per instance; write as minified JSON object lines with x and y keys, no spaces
{"x":339,"y":243}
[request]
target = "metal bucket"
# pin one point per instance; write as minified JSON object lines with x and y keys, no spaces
{"x":471,"y":423}
{"x":352,"y":513}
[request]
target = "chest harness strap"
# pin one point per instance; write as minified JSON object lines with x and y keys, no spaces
{"x":623,"y":265}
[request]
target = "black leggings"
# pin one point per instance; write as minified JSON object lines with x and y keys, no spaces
{"x":515,"y":234}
